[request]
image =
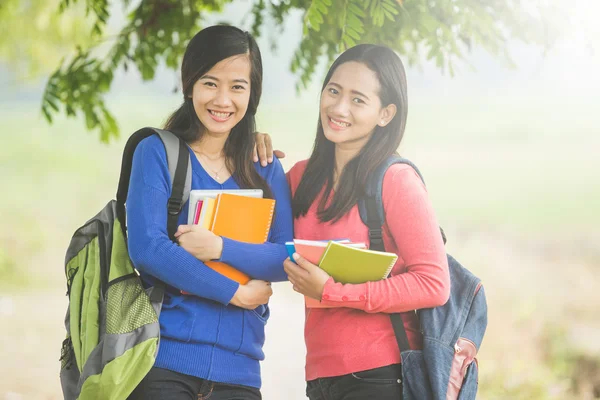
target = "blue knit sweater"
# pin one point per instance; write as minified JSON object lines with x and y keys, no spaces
{"x":201,"y":334}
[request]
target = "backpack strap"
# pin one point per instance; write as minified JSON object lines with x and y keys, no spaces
{"x":373,"y":216}
{"x":180,"y":170}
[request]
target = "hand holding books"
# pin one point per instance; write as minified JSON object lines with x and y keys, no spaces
{"x":199,"y":242}
{"x":239,"y":214}
{"x":252,"y":294}
{"x":345,"y":262}
{"x":306,"y":277}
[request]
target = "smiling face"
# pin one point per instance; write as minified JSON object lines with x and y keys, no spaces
{"x":222,"y":94}
{"x":350,"y":105}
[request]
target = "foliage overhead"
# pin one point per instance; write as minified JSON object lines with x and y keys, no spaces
{"x":157,"y":31}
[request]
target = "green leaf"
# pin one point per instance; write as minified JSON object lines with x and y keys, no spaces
{"x":51,"y":103}
{"x":390,"y":8}
{"x":354,"y":9}
{"x":348,"y":41}
{"x":47,"y":115}
{"x":353,"y":20}
{"x":389,"y":15}
{"x":315,"y":20}
{"x":90,"y":121}
{"x":439,"y":60}
{"x":352,"y":33}
{"x":70,"y":110}
{"x":321,"y":7}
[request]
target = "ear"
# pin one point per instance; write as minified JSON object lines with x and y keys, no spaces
{"x":387,"y":114}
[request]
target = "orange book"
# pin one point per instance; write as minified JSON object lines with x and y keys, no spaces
{"x":241,"y":218}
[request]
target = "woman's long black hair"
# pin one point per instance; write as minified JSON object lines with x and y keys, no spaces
{"x":208,"y":47}
{"x":383,"y":143}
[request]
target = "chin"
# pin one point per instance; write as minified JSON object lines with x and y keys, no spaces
{"x":335,"y":137}
{"x":218,"y":128}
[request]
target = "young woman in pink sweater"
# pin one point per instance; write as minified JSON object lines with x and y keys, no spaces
{"x":352,"y":352}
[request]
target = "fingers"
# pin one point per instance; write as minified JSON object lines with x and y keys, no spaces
{"x":306,"y":265}
{"x":261,"y":149}
{"x":293,"y":271}
{"x":254,"y":154}
{"x":258,"y":282}
{"x":181,"y":229}
{"x":279,"y":154}
{"x":297,"y":276}
{"x":269,"y":148}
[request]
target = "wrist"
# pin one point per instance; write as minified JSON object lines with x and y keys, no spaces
{"x":326,"y":288}
{"x":240,"y":295}
{"x":218,"y":248}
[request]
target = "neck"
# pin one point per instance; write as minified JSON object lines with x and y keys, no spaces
{"x":209,"y":144}
{"x":344,"y":152}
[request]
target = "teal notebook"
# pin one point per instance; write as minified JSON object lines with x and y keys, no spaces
{"x":352,"y":265}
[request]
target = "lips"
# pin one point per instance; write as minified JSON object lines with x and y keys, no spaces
{"x":219,"y":116}
{"x":337,"y":124}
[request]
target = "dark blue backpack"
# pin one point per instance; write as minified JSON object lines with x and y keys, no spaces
{"x":446,"y":367}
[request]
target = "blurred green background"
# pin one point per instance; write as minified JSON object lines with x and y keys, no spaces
{"x":509,"y":157}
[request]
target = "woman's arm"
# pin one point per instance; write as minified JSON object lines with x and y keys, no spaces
{"x":411,"y":221}
{"x":150,"y":248}
{"x":265,"y":261}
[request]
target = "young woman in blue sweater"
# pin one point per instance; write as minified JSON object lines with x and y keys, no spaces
{"x":211,"y":339}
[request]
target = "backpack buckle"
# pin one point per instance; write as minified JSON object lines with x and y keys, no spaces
{"x":376,"y":239}
{"x":375,"y":234}
{"x":174,"y":206}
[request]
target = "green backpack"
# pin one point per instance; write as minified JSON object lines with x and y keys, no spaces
{"x":112,"y":319}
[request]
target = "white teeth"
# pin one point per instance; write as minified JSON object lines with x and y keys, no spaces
{"x":220,"y":114}
{"x":340,"y":124}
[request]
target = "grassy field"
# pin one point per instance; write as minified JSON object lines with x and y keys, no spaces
{"x":518,"y":197}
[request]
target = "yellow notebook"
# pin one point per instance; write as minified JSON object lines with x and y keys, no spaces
{"x":207,"y":213}
{"x":241,"y":218}
{"x":353,"y":265}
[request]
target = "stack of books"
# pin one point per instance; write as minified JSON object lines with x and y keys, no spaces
{"x":241,"y":215}
{"x":343,"y":260}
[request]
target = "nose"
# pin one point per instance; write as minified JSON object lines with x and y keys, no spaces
{"x":222,"y":98}
{"x":341,"y":107}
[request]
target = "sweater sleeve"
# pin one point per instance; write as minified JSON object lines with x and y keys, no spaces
{"x":150,"y":248}
{"x":425,"y":280}
{"x":265,"y":261}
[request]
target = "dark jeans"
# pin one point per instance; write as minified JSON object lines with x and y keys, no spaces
{"x":383,"y":383}
{"x":162,"y":384}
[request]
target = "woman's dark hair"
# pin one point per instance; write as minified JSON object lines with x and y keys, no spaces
{"x":207,"y":48}
{"x":383,"y":143}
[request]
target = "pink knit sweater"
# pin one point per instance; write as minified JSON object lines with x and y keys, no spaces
{"x":359,"y":335}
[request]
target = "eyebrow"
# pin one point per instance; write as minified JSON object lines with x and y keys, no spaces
{"x":352,"y":91}
{"x":214,"y":78}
